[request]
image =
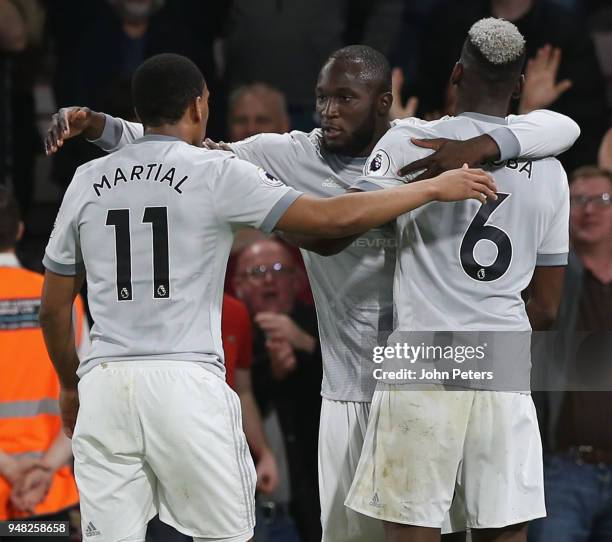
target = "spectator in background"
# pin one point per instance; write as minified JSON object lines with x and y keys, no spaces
{"x":21,"y":24}
{"x":114,"y":37}
{"x":285,"y":42}
{"x":577,"y":443}
{"x":12,"y":39}
{"x":256,"y":109}
{"x":564,"y":73}
{"x":237,"y":336}
{"x":286,"y":379}
{"x":253,"y":109}
{"x":36,"y":481}
{"x":13,"y":35}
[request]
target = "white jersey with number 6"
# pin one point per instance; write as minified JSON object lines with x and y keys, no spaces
{"x":152,"y":225}
{"x":463,"y":266}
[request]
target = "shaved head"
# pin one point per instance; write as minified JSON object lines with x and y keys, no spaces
{"x":374,"y":67}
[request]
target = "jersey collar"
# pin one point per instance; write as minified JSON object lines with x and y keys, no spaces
{"x":8,"y":259}
{"x":157,"y":137}
{"x":485,"y":118}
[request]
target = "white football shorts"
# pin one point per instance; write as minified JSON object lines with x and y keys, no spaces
{"x":161,"y":437}
{"x":424,"y":449}
{"x":342,"y":431}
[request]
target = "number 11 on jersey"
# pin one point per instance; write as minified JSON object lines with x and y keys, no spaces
{"x":158,"y":218}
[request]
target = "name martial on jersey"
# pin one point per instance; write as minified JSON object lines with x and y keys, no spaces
{"x":141,"y":172}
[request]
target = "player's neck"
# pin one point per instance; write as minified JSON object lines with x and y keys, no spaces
{"x":485,"y":105}
{"x":179,"y":131}
{"x":379,"y":131}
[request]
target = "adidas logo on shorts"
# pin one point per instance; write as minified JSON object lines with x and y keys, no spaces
{"x":375,"y":502}
{"x":91,"y":530}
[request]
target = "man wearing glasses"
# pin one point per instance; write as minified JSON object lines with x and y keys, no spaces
{"x":286,"y":380}
{"x":578,"y":447}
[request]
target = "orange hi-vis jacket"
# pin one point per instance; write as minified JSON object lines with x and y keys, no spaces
{"x":29,"y":388}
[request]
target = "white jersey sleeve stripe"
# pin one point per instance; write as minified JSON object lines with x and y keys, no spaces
{"x":65,"y":269}
{"x":117,"y":133}
{"x":552,"y":260}
{"x":508,"y":143}
{"x":275,"y":214}
{"x":366,"y":186}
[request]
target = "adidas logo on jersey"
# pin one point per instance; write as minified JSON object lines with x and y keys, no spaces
{"x":330,"y":182}
{"x":375,"y":502}
{"x":91,"y":530}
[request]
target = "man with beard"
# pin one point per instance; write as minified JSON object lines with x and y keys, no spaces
{"x":353,"y":289}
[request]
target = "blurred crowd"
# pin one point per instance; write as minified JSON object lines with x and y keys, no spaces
{"x":261,"y":60}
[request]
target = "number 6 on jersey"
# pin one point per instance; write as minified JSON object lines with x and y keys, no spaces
{"x":479,"y":230}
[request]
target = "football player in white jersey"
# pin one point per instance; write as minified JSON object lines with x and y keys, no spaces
{"x":352,"y":290}
{"x":462,"y":267}
{"x":151,"y":226}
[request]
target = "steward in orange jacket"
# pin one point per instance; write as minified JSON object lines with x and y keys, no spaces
{"x":35,"y":473}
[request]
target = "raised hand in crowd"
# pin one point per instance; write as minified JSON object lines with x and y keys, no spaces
{"x":399,"y":109}
{"x":541,"y":88}
{"x":605,"y":152}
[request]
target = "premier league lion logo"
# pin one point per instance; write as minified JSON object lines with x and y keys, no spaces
{"x":376,"y":162}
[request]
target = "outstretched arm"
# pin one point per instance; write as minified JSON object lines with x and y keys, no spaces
{"x":542,"y":133}
{"x":350,"y":214}
{"x":108,"y":133}
{"x":538,"y":134}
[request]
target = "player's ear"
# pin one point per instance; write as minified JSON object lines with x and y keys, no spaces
{"x":385,"y":101}
{"x":456,"y":74}
{"x":518,"y":89}
{"x":196,"y":109}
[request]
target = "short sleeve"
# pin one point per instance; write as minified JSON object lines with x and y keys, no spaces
{"x":63,"y":252}
{"x":117,"y":133}
{"x":554,"y":247}
{"x":394,"y":151}
{"x":540,"y":133}
{"x":276,"y":153}
{"x":246,"y":195}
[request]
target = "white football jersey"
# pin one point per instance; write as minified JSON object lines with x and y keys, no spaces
{"x":152,"y":225}
{"x":463,"y":265}
{"x":353,"y":289}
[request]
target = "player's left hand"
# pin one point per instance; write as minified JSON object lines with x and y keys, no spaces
{"x":213,"y":146}
{"x":267,"y":472}
{"x":279,"y":327}
{"x":464,"y":183}
{"x":69,"y":408}
{"x":449,"y":154}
